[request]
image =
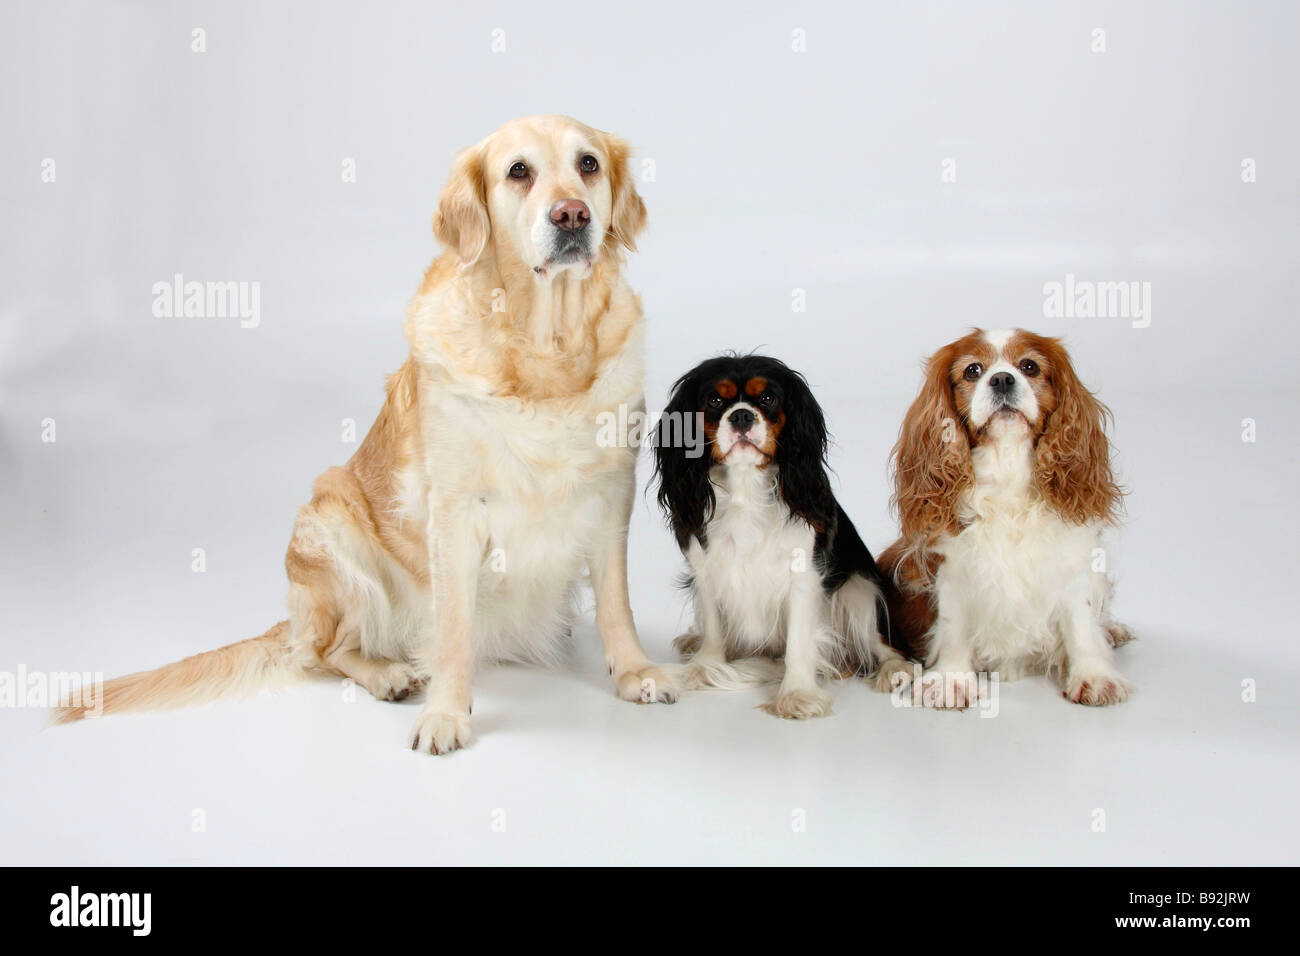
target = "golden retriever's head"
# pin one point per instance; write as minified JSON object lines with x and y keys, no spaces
{"x":544,"y":191}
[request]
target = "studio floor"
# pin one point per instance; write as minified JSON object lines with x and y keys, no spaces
{"x":1199,"y":767}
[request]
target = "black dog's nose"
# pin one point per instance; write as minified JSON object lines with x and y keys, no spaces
{"x":742,"y":420}
{"x":1003,"y":383}
{"x":570,"y":215}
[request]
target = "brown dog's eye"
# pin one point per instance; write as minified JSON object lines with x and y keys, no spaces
{"x":519,"y":171}
{"x":973,"y":371}
{"x":588,"y":164}
{"x":1029,"y":367}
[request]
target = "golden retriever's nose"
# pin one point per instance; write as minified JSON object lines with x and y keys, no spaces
{"x":571,"y":215}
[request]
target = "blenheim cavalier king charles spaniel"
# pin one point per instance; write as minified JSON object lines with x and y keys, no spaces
{"x":1003,"y":486}
{"x":777,"y":568}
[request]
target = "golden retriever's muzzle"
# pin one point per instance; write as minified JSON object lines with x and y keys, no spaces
{"x":570,"y":232}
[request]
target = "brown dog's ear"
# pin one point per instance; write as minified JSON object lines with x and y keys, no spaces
{"x":932,"y":463}
{"x":1072,"y":458}
{"x":629,"y":216}
{"x":461,"y":220}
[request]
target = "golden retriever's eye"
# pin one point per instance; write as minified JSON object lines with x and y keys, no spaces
{"x":1029,"y":367}
{"x":715,"y":401}
{"x":973,"y":371}
{"x":519,"y":171}
{"x":588,"y":164}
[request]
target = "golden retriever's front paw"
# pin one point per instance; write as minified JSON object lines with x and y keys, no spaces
{"x":648,"y":685}
{"x":398,"y":682}
{"x":800,"y":704}
{"x":1097,"y":690}
{"x":438,"y":733}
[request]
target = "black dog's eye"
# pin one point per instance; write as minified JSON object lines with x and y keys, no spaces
{"x":766,"y":399}
{"x":588,"y":164}
{"x":973,"y":371}
{"x":519,"y":171}
{"x":715,"y":401}
{"x":1029,"y":367}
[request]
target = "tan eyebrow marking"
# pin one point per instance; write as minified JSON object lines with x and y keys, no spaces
{"x":980,"y":352}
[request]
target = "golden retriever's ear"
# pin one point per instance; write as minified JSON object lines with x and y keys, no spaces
{"x":461,"y":220}
{"x":628,"y":217}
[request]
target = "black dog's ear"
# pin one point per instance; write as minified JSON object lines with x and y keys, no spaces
{"x":801,"y":455}
{"x":682,"y":462}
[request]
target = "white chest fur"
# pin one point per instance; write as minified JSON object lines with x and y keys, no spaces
{"x":756,"y":557}
{"x":538,"y":483}
{"x":1009,"y":575}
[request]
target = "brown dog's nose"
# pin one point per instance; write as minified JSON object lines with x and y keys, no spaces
{"x":570,"y":215}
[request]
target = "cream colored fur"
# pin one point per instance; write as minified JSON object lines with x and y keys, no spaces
{"x":458,"y":532}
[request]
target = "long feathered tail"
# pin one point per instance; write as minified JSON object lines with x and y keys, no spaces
{"x":861,"y":614}
{"x":733,"y":675}
{"x":235,"y":669}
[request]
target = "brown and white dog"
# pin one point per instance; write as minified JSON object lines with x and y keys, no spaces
{"x":1003,"y":486}
{"x":459,"y":529}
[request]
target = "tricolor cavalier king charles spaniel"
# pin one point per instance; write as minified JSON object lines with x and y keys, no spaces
{"x":1003,"y":486}
{"x":777,"y":568}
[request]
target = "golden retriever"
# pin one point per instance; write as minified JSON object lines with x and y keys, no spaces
{"x":459,"y":529}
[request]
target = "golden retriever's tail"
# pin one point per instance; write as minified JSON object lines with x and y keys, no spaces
{"x":232,"y":670}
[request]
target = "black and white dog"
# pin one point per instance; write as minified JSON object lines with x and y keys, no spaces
{"x":777,"y":568}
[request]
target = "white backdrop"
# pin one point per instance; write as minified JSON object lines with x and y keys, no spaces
{"x":903,"y":170}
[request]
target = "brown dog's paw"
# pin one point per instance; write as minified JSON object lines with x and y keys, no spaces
{"x":1097,"y":690}
{"x":949,"y":690}
{"x":1118,"y":635}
